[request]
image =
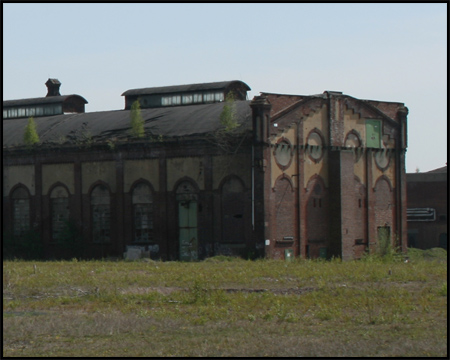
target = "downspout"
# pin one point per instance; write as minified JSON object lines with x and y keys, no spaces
{"x":299,"y":232}
{"x":399,"y":169}
{"x":368,"y":197}
{"x":253,"y":186}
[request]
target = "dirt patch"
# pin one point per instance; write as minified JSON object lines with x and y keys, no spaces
{"x":169,"y":290}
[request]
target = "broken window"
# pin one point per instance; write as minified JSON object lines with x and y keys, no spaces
{"x":59,"y":202}
{"x":101,"y":214}
{"x":208,"y":97}
{"x":21,"y":211}
{"x":143,"y":213}
{"x":198,"y":98}
{"x":187,"y":99}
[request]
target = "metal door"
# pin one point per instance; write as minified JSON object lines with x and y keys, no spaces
{"x":187,"y":225}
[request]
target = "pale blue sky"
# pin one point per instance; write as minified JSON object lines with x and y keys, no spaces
{"x":390,"y":52}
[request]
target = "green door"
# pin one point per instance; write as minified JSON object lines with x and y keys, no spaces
{"x":187,"y":224}
{"x":373,"y":133}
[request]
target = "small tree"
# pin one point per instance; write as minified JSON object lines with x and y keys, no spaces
{"x":137,"y":123}
{"x":228,"y":114}
{"x":30,"y":136}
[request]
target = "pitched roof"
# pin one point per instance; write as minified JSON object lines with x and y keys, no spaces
{"x":439,"y":170}
{"x":169,"y":122}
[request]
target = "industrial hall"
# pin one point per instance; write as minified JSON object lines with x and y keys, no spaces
{"x":187,"y":172}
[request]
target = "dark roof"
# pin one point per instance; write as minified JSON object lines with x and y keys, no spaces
{"x":439,"y":170}
{"x":436,"y":175}
{"x":184,"y":88}
{"x":41,"y":100}
{"x":169,"y":122}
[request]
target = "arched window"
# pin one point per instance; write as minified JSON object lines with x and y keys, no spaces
{"x":186,"y":195}
{"x":21,"y":211}
{"x":59,"y":204}
{"x":142,"y":213}
{"x":101,"y":214}
{"x":233,"y":205}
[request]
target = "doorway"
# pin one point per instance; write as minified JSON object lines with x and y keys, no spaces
{"x":187,"y":226}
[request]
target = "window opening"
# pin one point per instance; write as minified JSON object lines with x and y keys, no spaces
{"x":143,"y":213}
{"x":59,"y":202}
{"x":101,"y":214}
{"x":21,"y":212}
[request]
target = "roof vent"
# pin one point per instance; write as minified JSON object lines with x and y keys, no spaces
{"x":53,"y":87}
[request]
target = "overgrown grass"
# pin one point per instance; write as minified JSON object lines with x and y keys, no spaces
{"x":226,"y":307}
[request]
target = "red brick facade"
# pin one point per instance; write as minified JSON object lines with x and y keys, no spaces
{"x":292,"y":187}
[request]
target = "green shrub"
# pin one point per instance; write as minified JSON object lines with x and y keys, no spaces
{"x":30,"y":136}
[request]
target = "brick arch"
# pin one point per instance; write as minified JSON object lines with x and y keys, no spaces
{"x":55,"y":185}
{"x":96,"y":183}
{"x":286,"y":177}
{"x":385,"y":178}
{"x":189,"y":180}
{"x":231,"y":177}
{"x":356,"y":133}
{"x":141,"y":181}
{"x":19,"y":186}
{"x":313,"y":180}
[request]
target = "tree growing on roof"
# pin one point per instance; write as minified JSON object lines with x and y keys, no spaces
{"x":228,"y":114}
{"x":30,"y":136}
{"x":137,"y":123}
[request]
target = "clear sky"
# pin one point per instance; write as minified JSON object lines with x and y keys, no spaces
{"x":389,"y":52}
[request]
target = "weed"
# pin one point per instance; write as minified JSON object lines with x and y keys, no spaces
{"x":93,"y":308}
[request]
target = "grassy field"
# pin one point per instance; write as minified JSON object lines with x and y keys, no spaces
{"x":227,"y":307}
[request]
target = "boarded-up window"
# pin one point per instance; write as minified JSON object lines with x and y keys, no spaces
{"x":284,"y":209}
{"x":60,"y":210}
{"x":101,"y":214}
{"x":233,"y":204}
{"x":317,"y":219}
{"x":143,"y":213}
{"x":373,"y":133}
{"x":21,"y":211}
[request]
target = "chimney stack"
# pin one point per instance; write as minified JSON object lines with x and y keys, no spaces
{"x":53,"y":87}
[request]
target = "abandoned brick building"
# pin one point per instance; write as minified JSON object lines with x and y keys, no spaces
{"x":427,"y":194}
{"x":286,"y":176}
